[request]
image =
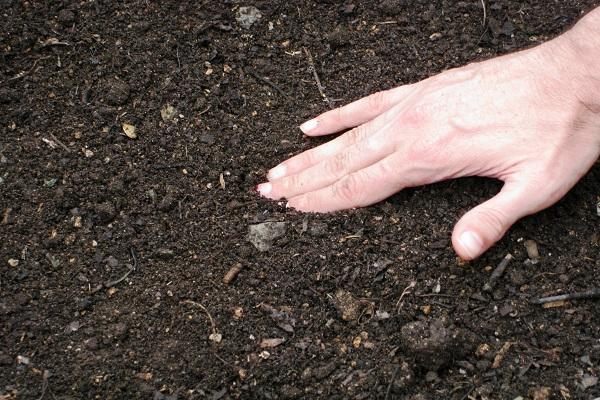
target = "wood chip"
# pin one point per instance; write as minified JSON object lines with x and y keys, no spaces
{"x":145,"y":376}
{"x":129,"y":131}
{"x":532,"y":249}
{"x":501,"y":354}
{"x":271,"y":343}
{"x":555,"y":304}
{"x":232,"y":273}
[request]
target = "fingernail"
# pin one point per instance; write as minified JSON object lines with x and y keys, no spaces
{"x":309,"y":125}
{"x":277,"y":172}
{"x":471,"y":243}
{"x":264,"y":188}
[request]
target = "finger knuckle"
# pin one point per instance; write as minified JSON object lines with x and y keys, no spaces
{"x":337,"y":164}
{"x":496,"y":220}
{"x":358,"y":134}
{"x":340,"y":114}
{"x":347,"y":189}
{"x":291,"y":184}
{"x":377,"y":101}
{"x":416,"y":116}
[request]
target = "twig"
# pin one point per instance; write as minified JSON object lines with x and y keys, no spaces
{"x":110,"y":284}
{"x":267,"y":81}
{"x":590,"y":294}
{"x":195,"y":304}
{"x":311,"y":62}
{"x":498,"y":272}
{"x":466,"y":395}
{"x":45,"y":376}
{"x":64,"y":146}
{"x":204,"y":111}
{"x":135,"y":261}
{"x":449,"y":296}
{"x":172,"y":166}
{"x":387,"y":392}
{"x":404,"y":293}
{"x":24,"y":73}
{"x":483,"y":3}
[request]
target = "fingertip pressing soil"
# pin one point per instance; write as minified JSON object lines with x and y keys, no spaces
{"x":126,"y":267}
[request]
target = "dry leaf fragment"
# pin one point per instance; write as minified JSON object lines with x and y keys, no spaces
{"x":129,"y":131}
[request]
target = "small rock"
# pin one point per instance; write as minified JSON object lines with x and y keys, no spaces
{"x":23,"y":360}
{"x":405,"y":377}
{"x":586,"y":360}
{"x":248,"y":16}
{"x":215,"y":337}
{"x":291,"y":392}
{"x":433,"y":345}
{"x":505,"y":310}
{"x":73,"y":327}
{"x":347,"y":9}
{"x":145,"y":376}
{"x":381,"y":315}
{"x":392,"y":7}
{"x":50,"y":183}
{"x":165,"y":254}
{"x":532,"y":249}
{"x":517,"y":277}
{"x":323,"y":371}
{"x":116,"y":92}
{"x":112,"y":262}
{"x":587,"y":381}
{"x":5,"y":359}
{"x":338,"y":38}
{"x":106,"y":212}
{"x":91,"y":343}
{"x":84,"y":304}
{"x":347,"y":306}
{"x":263,"y":235}
{"x":167,"y":203}
{"x":168,"y":113}
{"x":540,"y":393}
{"x":118,"y":331}
{"x":207,"y":138}
{"x":129,"y":131}
{"x":431,"y":377}
{"x":483,"y":365}
{"x":66,"y":17}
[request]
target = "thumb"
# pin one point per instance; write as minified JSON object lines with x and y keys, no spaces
{"x":487,"y":223}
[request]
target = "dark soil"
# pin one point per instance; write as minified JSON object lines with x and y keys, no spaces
{"x":369,"y":303}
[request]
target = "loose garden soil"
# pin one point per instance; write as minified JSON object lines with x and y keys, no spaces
{"x":115,"y":248}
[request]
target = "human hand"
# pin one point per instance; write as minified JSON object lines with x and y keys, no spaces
{"x":530,"y":119}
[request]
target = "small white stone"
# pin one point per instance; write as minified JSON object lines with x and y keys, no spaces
{"x":215,"y":337}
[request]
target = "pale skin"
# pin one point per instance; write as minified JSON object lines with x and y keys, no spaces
{"x":530,"y":119}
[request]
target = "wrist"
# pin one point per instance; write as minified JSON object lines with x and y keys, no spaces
{"x":582,"y":44}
